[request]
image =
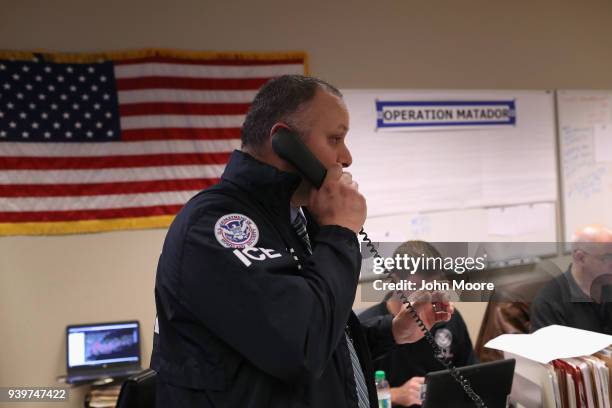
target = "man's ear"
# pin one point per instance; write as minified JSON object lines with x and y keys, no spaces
{"x":272,"y":157}
{"x":277,"y":126}
{"x":578,"y":255}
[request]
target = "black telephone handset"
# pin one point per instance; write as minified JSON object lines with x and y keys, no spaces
{"x":288,"y":146}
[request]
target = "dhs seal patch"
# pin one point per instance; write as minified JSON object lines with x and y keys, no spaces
{"x":443,"y":338}
{"x":236,"y":231}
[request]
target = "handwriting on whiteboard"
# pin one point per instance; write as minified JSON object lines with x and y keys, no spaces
{"x":578,"y":150}
{"x":588,"y":184}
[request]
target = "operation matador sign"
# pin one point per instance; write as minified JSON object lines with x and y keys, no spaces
{"x":420,"y":115}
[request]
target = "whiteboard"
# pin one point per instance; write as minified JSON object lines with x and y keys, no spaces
{"x":585,"y":147}
{"x":493,"y":184}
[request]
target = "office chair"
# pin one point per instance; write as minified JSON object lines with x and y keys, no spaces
{"x":138,"y":391}
{"x":508,"y":308}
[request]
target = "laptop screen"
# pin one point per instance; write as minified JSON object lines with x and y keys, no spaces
{"x":103,"y":345}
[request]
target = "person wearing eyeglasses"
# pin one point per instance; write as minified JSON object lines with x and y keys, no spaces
{"x":582,"y":296}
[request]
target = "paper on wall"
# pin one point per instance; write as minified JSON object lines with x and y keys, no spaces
{"x":603,"y":143}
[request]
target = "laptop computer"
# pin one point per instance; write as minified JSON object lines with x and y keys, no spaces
{"x":492,"y":381}
{"x":102,"y":350}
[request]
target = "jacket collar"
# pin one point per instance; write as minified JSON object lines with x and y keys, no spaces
{"x":266,"y":183}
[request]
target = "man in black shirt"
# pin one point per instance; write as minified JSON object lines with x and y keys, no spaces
{"x":580,"y":297}
{"x":405,"y":365}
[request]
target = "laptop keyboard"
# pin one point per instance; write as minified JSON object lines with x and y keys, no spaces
{"x":105,"y":374}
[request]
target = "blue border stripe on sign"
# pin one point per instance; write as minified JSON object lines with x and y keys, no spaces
{"x":380,"y":105}
{"x":429,"y":124}
{"x":442,"y":103}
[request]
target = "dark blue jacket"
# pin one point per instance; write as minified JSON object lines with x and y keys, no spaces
{"x":262,"y":326}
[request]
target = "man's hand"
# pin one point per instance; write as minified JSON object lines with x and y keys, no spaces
{"x":409,"y":393}
{"x":338,"y":201}
{"x":405,"y":328}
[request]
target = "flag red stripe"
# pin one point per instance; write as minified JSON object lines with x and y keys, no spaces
{"x":228,"y":62}
{"x":133,"y":109}
{"x":180,"y":134}
{"x":77,"y":215}
{"x":150,"y":160}
{"x":206,"y":84}
{"x":94,"y":189}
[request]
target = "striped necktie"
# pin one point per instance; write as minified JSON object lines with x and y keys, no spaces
{"x":299,"y":225}
{"x":360,"y":384}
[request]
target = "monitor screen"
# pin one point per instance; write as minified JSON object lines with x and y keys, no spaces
{"x":103,"y":344}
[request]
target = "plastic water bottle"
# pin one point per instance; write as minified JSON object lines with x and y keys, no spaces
{"x":383,"y":390}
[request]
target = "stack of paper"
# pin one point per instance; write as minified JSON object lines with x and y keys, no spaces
{"x":572,"y":367}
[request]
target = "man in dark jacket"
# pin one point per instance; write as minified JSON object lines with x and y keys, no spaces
{"x":405,"y":366}
{"x":253,"y":293}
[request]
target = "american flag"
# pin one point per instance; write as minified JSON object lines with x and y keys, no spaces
{"x":90,"y":144}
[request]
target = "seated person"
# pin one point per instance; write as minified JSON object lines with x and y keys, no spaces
{"x":406,"y":365}
{"x":508,"y":307}
{"x":580,"y":297}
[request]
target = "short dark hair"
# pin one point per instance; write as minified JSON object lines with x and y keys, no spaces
{"x":278,"y":99}
{"x":417,"y":249}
